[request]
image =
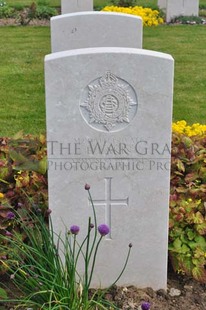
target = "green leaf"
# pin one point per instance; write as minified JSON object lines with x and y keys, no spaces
{"x":192,"y":244}
{"x":177,"y":244}
{"x":17,"y":157}
{"x":201,"y":242}
{"x":3,"y":181}
{"x":3,"y":294}
{"x":201,"y":228}
{"x":174,"y":261}
{"x":28,"y":166}
{"x":199,"y":273}
{"x":180,"y":165}
{"x":23,"y":163}
{"x":42,"y":166}
{"x":185,"y":249}
{"x":187,"y":265}
{"x":187,"y":141}
{"x":198,"y":218}
{"x":190,"y":234}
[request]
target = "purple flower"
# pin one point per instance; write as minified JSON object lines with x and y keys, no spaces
{"x":10,"y":215}
{"x":74,"y":229}
{"x":103,"y":229}
{"x":145,"y":305}
{"x":8,"y":234}
{"x":87,"y":187}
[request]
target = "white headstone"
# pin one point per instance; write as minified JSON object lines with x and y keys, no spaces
{"x":175,"y":8}
{"x":109,"y":125}
{"x":162,"y":4}
{"x":95,"y":29}
{"x":70,"y":6}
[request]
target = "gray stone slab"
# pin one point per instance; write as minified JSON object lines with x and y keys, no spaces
{"x":174,"y":8}
{"x":95,"y":29}
{"x":109,"y":114}
{"x":70,"y":6}
{"x":162,"y":4}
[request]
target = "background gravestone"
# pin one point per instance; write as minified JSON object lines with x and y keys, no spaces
{"x":70,"y":6}
{"x":109,"y":124}
{"x":175,"y":8}
{"x":95,"y":29}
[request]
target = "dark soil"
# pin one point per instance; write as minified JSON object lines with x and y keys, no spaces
{"x":182,"y":294}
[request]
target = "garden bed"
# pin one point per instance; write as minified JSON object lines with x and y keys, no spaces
{"x":192,"y":295}
{"x":15,"y":22}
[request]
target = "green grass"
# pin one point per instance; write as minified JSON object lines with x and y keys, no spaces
{"x":21,"y":78}
{"x":56,"y":3}
{"x":187,"y":45}
{"x":22,"y":72}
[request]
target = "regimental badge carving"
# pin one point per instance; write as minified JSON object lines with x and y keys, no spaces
{"x":108,"y":103}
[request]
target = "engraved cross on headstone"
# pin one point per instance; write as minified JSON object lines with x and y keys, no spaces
{"x":108,"y":203}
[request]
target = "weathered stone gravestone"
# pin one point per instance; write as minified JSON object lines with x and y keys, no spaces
{"x":109,"y":125}
{"x":70,"y":6}
{"x":174,"y":8}
{"x":95,"y":29}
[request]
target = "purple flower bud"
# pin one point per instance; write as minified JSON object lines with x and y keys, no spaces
{"x":130,"y":245}
{"x":87,"y":187}
{"x":10,"y":215}
{"x":8,"y":234}
{"x":91,"y":226}
{"x":145,"y":305}
{"x":74,"y":229}
{"x":3,"y":257}
{"x":103,"y":229}
{"x":48,"y":211}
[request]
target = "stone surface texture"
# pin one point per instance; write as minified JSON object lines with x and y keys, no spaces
{"x":71,"y":6}
{"x":174,"y":8}
{"x":109,"y":125}
{"x":95,"y":29}
{"x":162,"y":4}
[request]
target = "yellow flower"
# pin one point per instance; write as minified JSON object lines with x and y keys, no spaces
{"x":1,"y":195}
{"x":150,"y":17}
{"x":194,"y":130}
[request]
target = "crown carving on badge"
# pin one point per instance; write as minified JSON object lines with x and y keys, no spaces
{"x":108,"y":80}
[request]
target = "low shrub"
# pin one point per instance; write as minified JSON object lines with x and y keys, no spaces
{"x":187,"y":20}
{"x":187,"y":231}
{"x":150,"y":17}
{"x":25,"y":14}
{"x":23,"y":180}
{"x":123,"y":3}
{"x":44,"y":12}
{"x":6,"y":11}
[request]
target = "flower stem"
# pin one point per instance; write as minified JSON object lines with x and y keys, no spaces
{"x":94,"y":259}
